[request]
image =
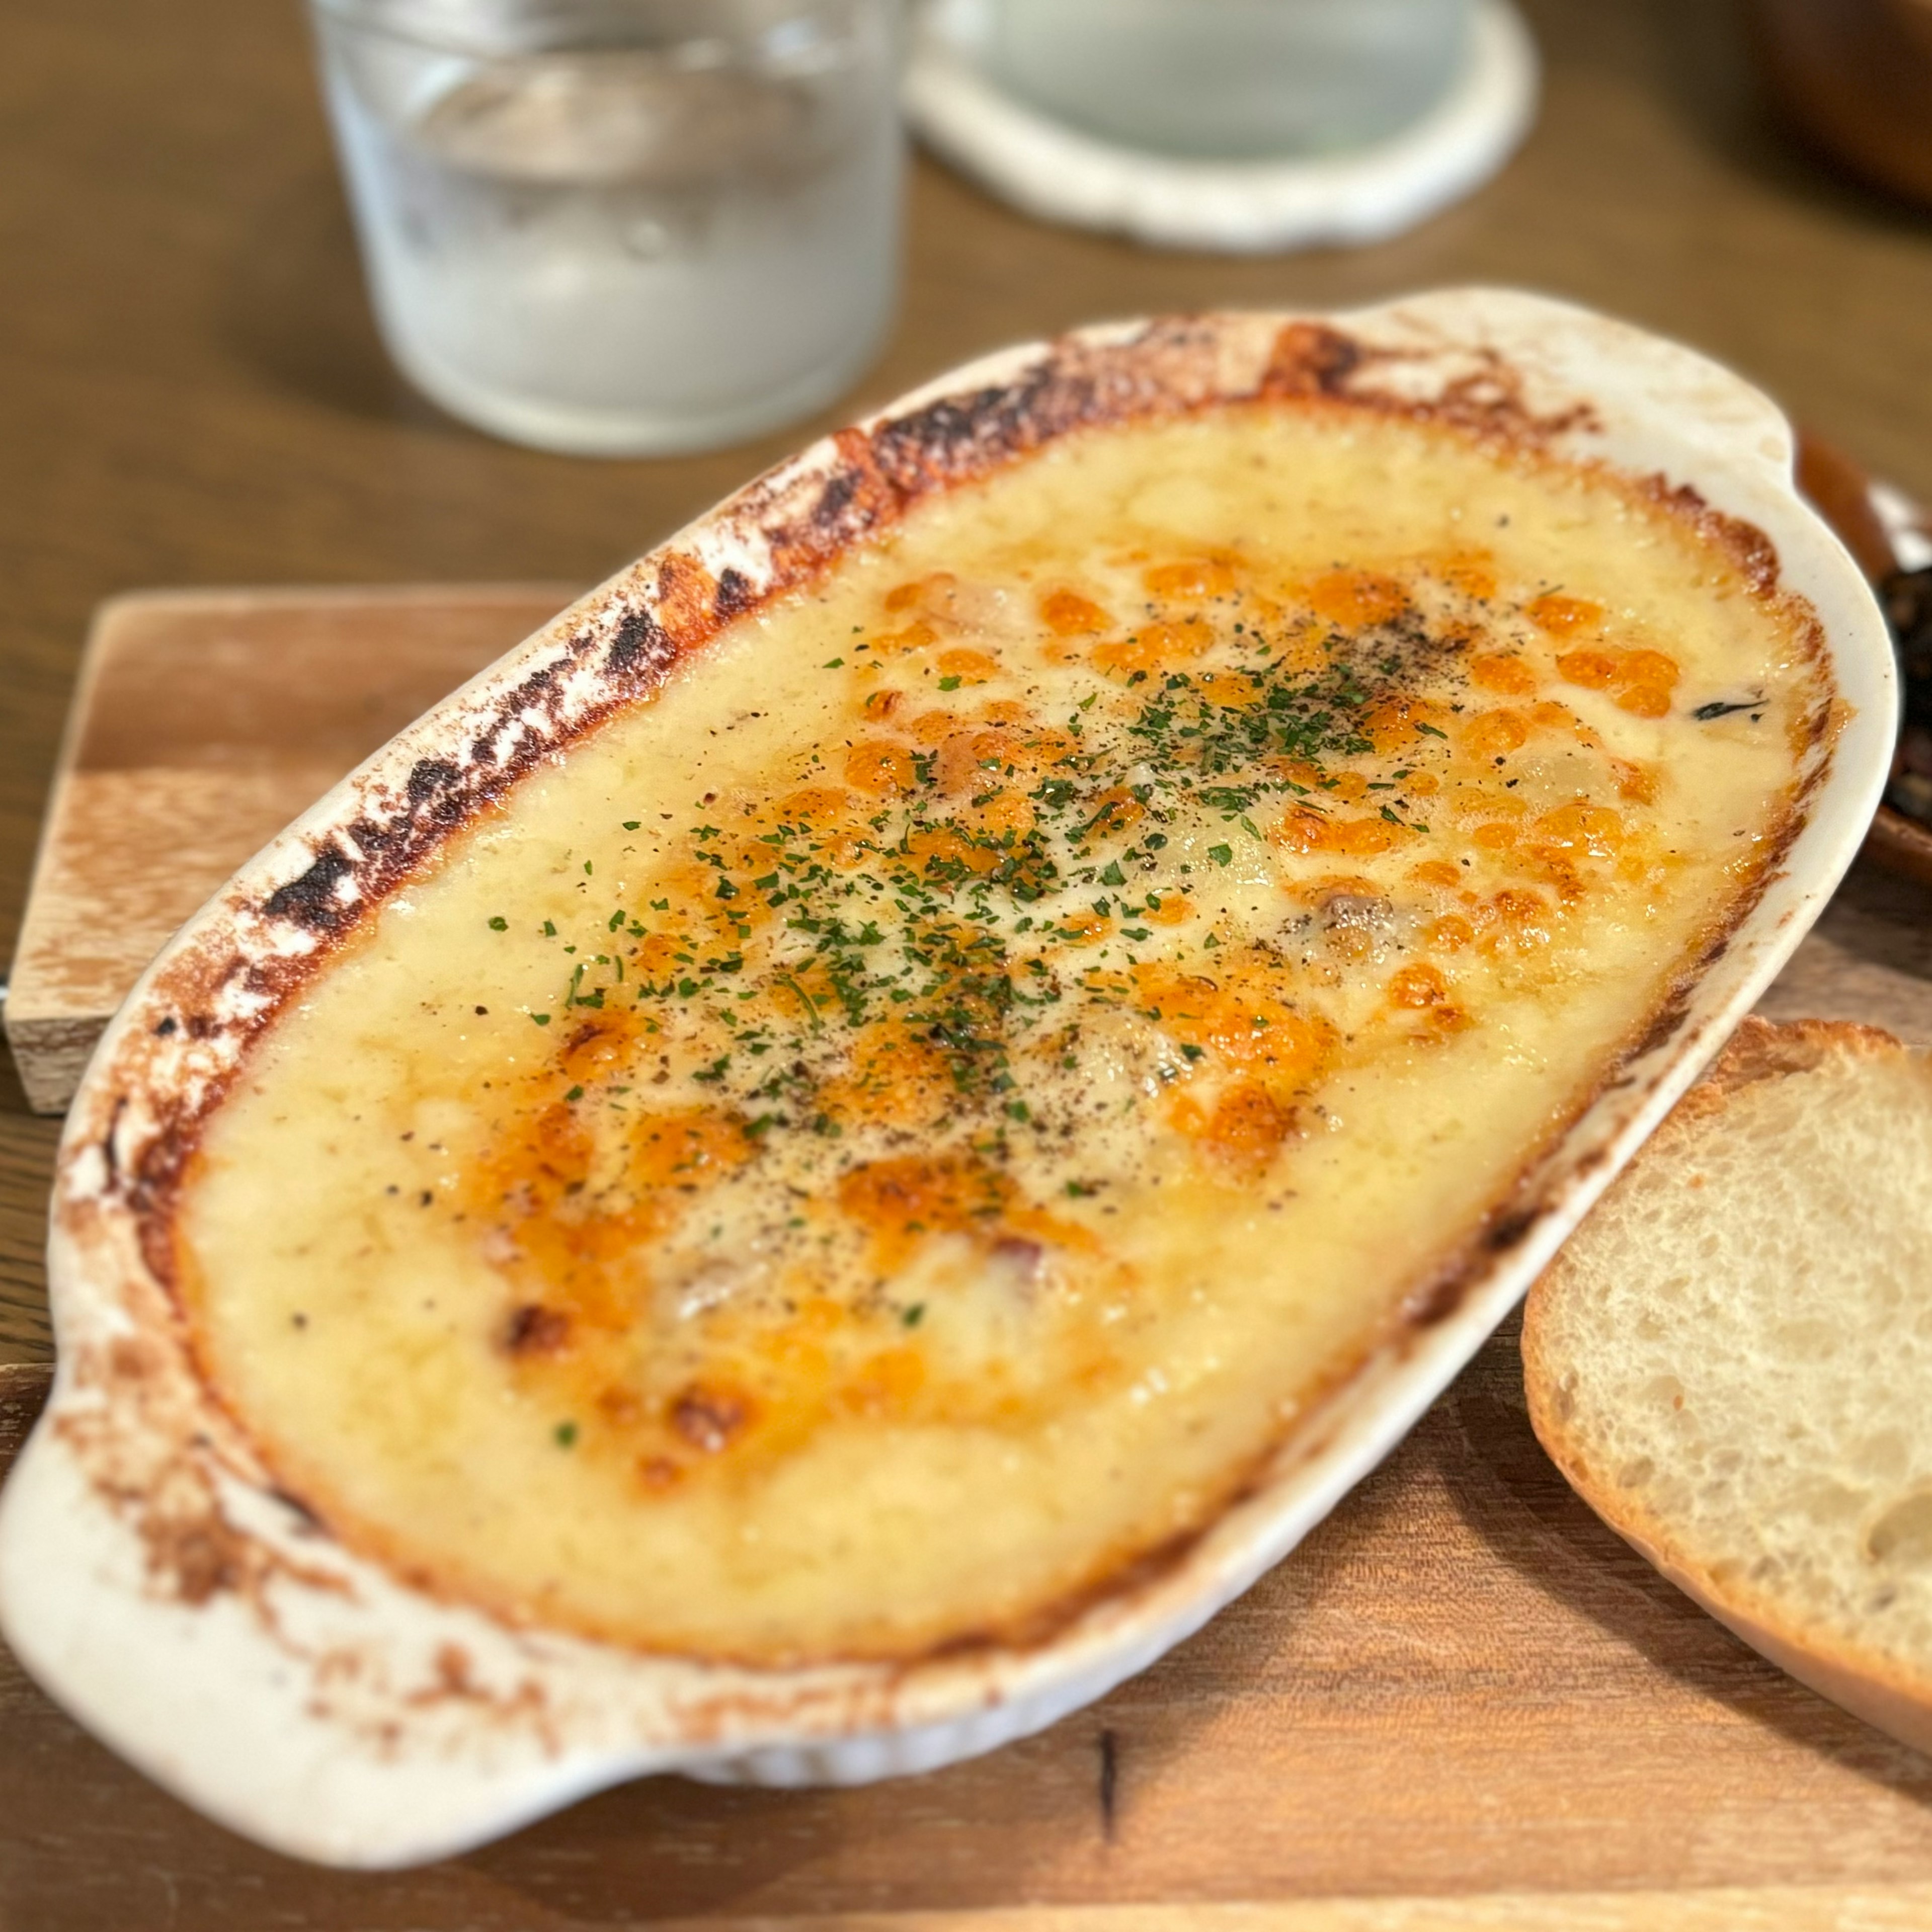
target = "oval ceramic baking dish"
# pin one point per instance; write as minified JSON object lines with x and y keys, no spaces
{"x":156,"y":1581}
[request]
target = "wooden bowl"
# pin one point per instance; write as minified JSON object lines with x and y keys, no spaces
{"x":1841,"y":493}
{"x":1900,"y":844}
{"x":1855,"y":77}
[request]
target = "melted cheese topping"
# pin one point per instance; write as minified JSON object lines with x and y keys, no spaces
{"x":890,"y":1132}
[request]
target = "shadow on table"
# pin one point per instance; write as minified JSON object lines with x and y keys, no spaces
{"x":1513,"y":1497}
{"x":295,"y":307}
{"x":1074,"y":1815}
{"x":1869,"y":958}
{"x":1884,"y":919}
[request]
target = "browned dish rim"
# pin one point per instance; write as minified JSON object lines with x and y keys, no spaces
{"x":207,"y":1555}
{"x":219,"y":996}
{"x":881,"y":473}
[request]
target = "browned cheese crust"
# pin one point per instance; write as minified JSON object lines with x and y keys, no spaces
{"x":216,"y":1004}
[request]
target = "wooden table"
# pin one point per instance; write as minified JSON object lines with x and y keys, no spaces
{"x":195,"y":395}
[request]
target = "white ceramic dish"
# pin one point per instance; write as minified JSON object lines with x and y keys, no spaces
{"x":1062,"y":173}
{"x":154,"y":1580}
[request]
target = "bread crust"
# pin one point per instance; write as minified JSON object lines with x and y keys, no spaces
{"x":1885,"y":1693}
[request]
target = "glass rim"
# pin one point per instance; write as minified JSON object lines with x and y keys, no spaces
{"x":407,"y":24}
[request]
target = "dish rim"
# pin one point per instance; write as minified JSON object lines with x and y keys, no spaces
{"x":1062,"y":172}
{"x":424,"y":1726}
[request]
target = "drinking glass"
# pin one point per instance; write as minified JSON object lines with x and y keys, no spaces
{"x":1233,"y":79}
{"x":622,"y":226}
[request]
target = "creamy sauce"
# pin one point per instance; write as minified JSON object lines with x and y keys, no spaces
{"x":889,"y":1132}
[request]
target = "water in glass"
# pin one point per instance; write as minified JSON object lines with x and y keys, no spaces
{"x":628,"y":246}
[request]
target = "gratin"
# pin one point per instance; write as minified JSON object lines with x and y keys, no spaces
{"x":875,"y":1147}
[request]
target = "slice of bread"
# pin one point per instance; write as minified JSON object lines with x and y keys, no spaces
{"x":1731,"y":1360}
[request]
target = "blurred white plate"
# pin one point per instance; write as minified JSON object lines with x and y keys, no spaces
{"x":1051,"y":170}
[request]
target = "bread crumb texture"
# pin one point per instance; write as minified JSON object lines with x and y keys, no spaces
{"x":1730,"y":1360}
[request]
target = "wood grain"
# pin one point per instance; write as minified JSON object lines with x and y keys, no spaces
{"x":203,"y":722}
{"x":196,"y":396}
{"x":1728,"y":1909}
{"x":1463,"y":1702}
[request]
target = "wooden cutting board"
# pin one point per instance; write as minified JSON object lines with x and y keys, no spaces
{"x":1462,"y":1704}
{"x":203,"y":721}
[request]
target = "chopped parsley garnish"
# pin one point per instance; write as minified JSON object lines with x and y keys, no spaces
{"x":945,"y":929}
